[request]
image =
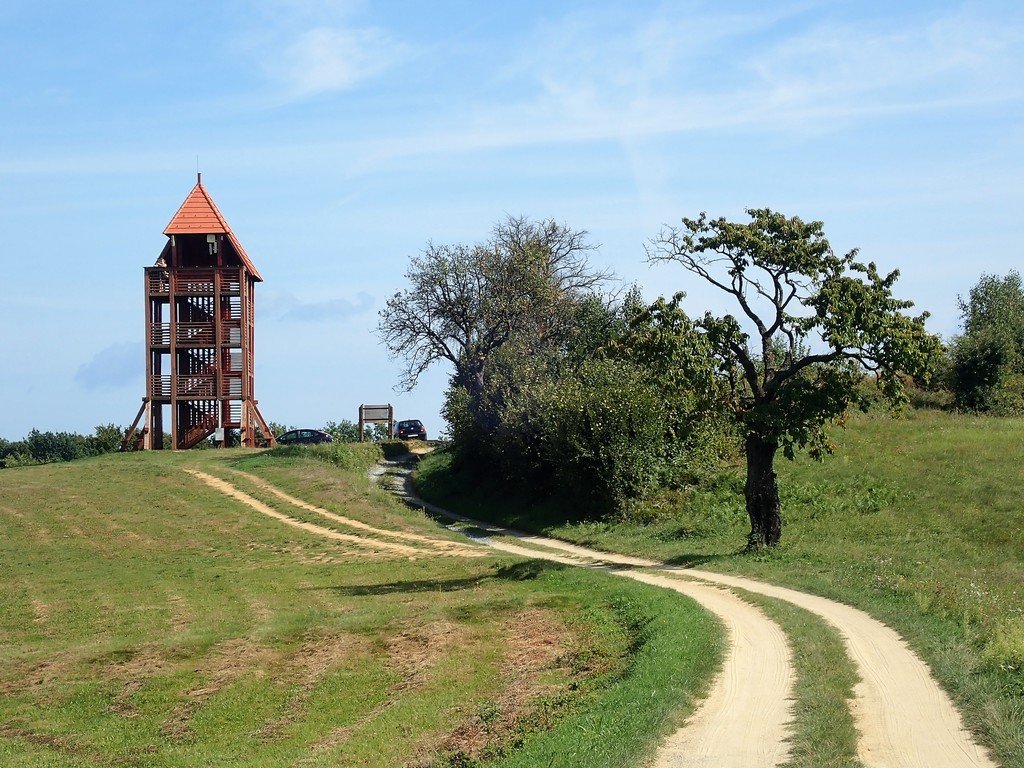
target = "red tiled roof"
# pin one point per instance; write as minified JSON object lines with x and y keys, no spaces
{"x":199,"y":215}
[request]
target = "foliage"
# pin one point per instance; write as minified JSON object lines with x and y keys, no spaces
{"x":464,"y":302}
{"x":986,"y":370}
{"x":676,"y":359}
{"x":343,"y":431}
{"x":47,"y":447}
{"x":376,"y":432}
{"x":604,"y":437}
{"x":793,"y":290}
{"x":278,"y":429}
{"x":555,"y":385}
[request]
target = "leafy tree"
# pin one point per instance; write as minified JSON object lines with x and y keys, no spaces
{"x":107,"y":438}
{"x":792,"y":290}
{"x":343,"y":431}
{"x":376,"y":432}
{"x":676,"y":357}
{"x":276,"y":428}
{"x":463,"y":303}
{"x":987,"y":361}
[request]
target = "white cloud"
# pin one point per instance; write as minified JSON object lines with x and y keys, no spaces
{"x":786,"y":70}
{"x":328,"y":59}
{"x":313,"y":47}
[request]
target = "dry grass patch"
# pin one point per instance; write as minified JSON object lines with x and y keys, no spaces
{"x":229,"y":661}
{"x":414,"y":651}
{"x":535,"y":669}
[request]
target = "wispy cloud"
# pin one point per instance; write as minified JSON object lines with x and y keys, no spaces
{"x":287,"y":307}
{"x":844,"y":70}
{"x":327,"y":59}
{"x":781,"y":69}
{"x":620,"y":77}
{"x":318,"y":47}
{"x":114,"y":367}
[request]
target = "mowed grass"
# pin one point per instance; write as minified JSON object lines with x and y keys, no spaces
{"x":920,"y":521}
{"x":148,"y":620}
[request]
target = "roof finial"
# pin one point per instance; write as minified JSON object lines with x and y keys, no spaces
{"x":199,"y":176}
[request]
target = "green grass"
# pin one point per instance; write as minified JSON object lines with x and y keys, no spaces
{"x":147,"y":620}
{"x":919,"y":521}
{"x":824,"y":735}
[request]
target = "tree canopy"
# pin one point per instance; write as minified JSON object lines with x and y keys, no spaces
{"x":464,"y":302}
{"x":815,"y":322}
{"x":987,"y":360}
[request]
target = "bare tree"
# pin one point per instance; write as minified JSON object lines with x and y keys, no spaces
{"x":465,"y":302}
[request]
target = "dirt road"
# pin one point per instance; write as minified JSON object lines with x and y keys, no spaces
{"x":903,"y":718}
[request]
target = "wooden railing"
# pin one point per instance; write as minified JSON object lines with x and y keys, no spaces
{"x":195,"y":386}
{"x":233,"y":334}
{"x":193,"y":281}
{"x":197,"y":433}
{"x":230,"y":281}
{"x":160,"y":334}
{"x":194,"y":334}
{"x":158,"y":281}
{"x":160,"y":386}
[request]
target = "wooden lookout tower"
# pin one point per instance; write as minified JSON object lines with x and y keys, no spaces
{"x":200,"y":317}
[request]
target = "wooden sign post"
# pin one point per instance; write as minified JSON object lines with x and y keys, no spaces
{"x":376,"y":414}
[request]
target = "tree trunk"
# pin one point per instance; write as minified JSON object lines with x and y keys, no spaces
{"x":762,"y":493}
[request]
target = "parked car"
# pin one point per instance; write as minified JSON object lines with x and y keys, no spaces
{"x":305,"y":437}
{"x":411,"y":429}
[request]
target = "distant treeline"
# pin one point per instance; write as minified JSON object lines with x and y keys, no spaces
{"x":46,"y":447}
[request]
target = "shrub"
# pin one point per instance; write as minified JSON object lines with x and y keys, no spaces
{"x":343,"y":431}
{"x":604,"y":438}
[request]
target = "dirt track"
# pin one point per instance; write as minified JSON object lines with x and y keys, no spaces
{"x":903,"y":718}
{"x":418,"y":546}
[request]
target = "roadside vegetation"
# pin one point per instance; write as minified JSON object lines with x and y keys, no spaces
{"x":559,"y":385}
{"x":146,"y":619}
{"x":635,"y":427}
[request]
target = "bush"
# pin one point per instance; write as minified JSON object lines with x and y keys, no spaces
{"x":343,"y":431}
{"x":604,"y":438}
{"x":356,"y":456}
{"x":984,"y":374}
{"x":986,"y":370}
{"x":47,"y":447}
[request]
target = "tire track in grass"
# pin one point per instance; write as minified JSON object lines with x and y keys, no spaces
{"x":376,"y":547}
{"x":449,"y":547}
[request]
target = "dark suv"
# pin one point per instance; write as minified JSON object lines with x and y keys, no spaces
{"x":410,"y":429}
{"x":304,"y":436}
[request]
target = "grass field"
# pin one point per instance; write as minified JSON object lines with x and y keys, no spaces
{"x":919,"y":521}
{"x":147,"y":620}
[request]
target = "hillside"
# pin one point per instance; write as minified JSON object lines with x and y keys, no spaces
{"x":164,"y":609}
{"x":918,"y":521}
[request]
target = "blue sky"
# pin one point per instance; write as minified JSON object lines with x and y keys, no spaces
{"x":339,"y":137}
